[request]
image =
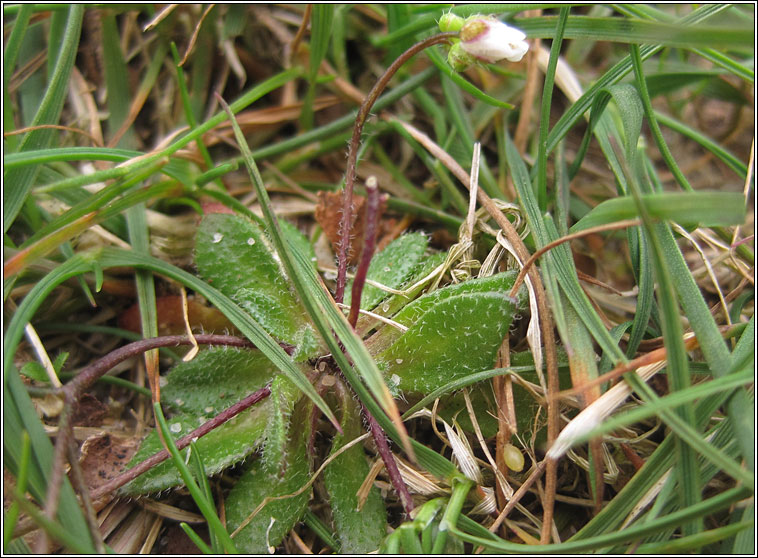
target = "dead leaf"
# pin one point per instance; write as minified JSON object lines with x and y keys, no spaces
{"x":329,"y":215}
{"x":89,"y":411}
{"x":103,"y":458}
{"x":202,"y":318}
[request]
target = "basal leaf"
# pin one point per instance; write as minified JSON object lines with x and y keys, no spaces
{"x":235,"y":256}
{"x":224,"y":446}
{"x":459,"y":335}
{"x":283,"y":397}
{"x":392,"y":267}
{"x":412,"y":313}
{"x":215,"y":379}
{"x":360,"y":530}
{"x":277,"y":518}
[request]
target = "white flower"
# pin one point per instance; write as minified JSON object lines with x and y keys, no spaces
{"x":491,"y":40}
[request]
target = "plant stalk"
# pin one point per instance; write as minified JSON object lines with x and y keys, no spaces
{"x":352,"y":157}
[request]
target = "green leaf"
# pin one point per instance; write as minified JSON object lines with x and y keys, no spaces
{"x":413,"y":312}
{"x":693,"y":208}
{"x":359,"y":530}
{"x":216,"y":379}
{"x":235,"y":256}
{"x":321,"y":31}
{"x":458,"y":336}
{"x":392,"y":267}
{"x":283,"y":397}
{"x":228,"y":444}
{"x":638,"y":31}
{"x":277,"y":518}
{"x":35,"y":371}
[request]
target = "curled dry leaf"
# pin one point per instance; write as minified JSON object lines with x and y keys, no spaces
{"x":329,"y":213}
{"x":104,"y":457}
{"x":171,"y":317}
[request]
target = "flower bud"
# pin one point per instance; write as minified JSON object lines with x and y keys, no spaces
{"x":459,"y":59}
{"x":491,"y":40}
{"x":450,"y":22}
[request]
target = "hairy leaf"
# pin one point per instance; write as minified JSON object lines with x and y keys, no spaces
{"x":459,"y":335}
{"x":224,"y":446}
{"x":213,"y":381}
{"x":360,"y":530}
{"x":392,"y":267}
{"x":277,"y":518}
{"x":235,"y":256}
{"x":412,"y":313}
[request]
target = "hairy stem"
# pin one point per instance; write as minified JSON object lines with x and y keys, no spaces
{"x":352,"y":157}
{"x":380,"y":438}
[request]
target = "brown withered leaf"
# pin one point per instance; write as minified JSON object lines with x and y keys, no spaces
{"x":171,"y":318}
{"x":329,"y":212}
{"x":328,"y":215}
{"x":104,"y":457}
{"x":89,"y":411}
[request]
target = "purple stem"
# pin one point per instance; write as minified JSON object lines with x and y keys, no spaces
{"x":380,"y":438}
{"x":372,"y":218}
{"x":352,"y":156}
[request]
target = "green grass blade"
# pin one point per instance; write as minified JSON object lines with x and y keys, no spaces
{"x":564,"y":264}
{"x":19,"y":415}
{"x":620,"y":30}
{"x":195,"y":538}
{"x":19,"y":182}
{"x":461,"y":82}
{"x":10,"y":55}
{"x":199,"y":472}
{"x":547,"y":98}
{"x":628,"y":534}
{"x":116,"y":80}
{"x":718,"y":151}
{"x":615,"y":74}
{"x":652,"y":122}
{"x":690,"y":208}
{"x":20,"y":489}
{"x":695,"y":542}
{"x":321,"y":31}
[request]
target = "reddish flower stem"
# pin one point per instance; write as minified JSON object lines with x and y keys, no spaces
{"x":369,"y":243}
{"x":352,"y":157}
{"x":370,"y":239}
